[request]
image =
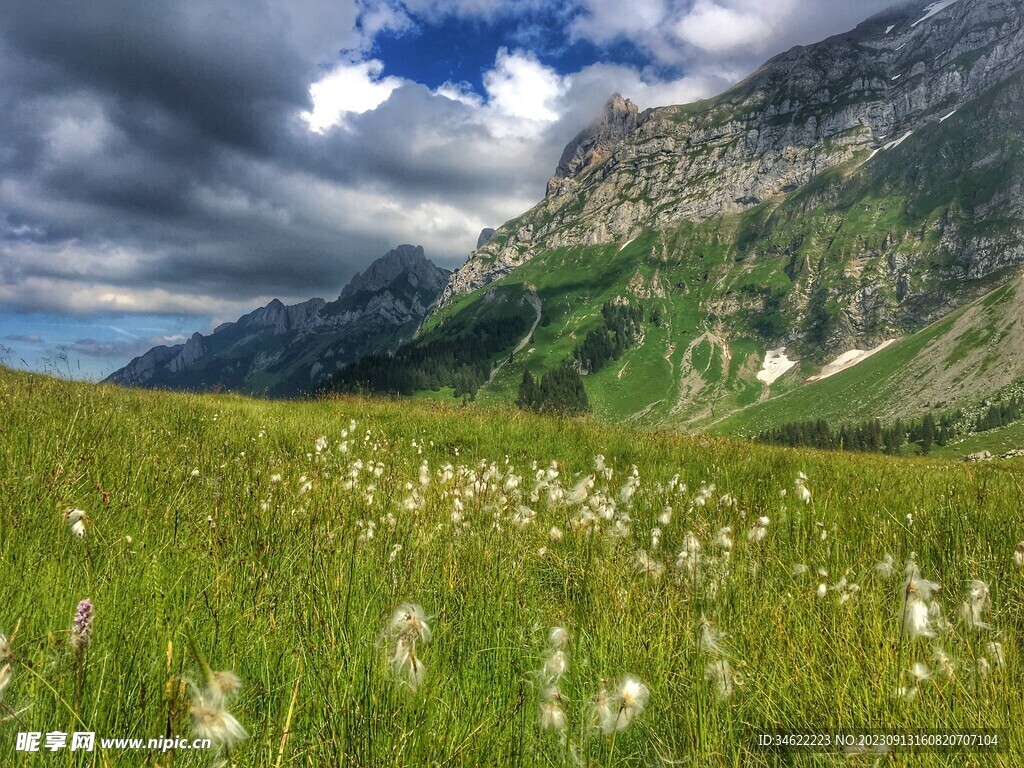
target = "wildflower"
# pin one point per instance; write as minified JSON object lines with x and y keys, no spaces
{"x":917,"y":618}
{"x":408,"y":626}
{"x":975,"y":605}
{"x":210,"y":720}
{"x":995,"y":652}
{"x":632,"y":696}
{"x":5,"y":648}
{"x":802,"y":493}
{"x":1018,"y":555}
{"x":81,"y":626}
{"x":410,"y":622}
{"x":5,"y":679}
{"x":601,"y":713}
{"x":555,"y":533}
{"x":885,"y":568}
{"x":724,"y":537}
{"x":556,"y":665}
{"x":710,"y":638}
{"x":321,"y":444}
{"x":275,"y":478}
{"x":558,"y":637}
{"x":822,"y":591}
{"x":720,"y":673}
{"x":984,"y":668}
{"x":76,"y":520}
{"x":946,"y":665}
{"x":920,"y":672}
{"x":552,"y":715}
{"x":665,"y":517}
{"x":655,"y":537}
{"x":406,"y":664}
{"x":578,"y":493}
{"x":194,"y":473}
{"x":648,"y":566}
{"x":798,"y":570}
{"x":759,"y":531}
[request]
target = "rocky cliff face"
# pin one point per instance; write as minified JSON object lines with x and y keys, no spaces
{"x":286,"y":350}
{"x":803,"y":113}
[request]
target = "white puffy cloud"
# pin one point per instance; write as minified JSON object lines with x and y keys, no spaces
{"x":714,"y":26}
{"x":349,"y":88}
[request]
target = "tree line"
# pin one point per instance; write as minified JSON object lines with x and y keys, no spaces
{"x":461,"y":359}
{"x":895,"y":438}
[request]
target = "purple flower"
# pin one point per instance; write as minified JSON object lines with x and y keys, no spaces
{"x":81,"y":626}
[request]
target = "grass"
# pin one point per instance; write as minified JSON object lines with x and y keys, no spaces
{"x":189,"y":530}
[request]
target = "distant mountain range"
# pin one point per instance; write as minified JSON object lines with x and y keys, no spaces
{"x":283,"y":351}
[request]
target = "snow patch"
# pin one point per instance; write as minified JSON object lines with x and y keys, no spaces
{"x":944,"y":119}
{"x":775,"y":364}
{"x":896,"y":142}
{"x":933,"y":9}
{"x":890,"y":28}
{"x":896,"y":77}
{"x":623,"y":246}
{"x":848,"y":360}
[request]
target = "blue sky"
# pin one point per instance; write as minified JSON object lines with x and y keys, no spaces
{"x":165,"y":167}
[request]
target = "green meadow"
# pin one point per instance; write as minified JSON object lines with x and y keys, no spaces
{"x":707,"y":592}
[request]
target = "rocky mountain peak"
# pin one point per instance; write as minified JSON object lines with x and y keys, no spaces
{"x":405,"y":260}
{"x":595,"y":143}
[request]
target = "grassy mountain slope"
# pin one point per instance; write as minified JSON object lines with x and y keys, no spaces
{"x":287,"y":560}
{"x":873,"y":249}
{"x":973,"y":352}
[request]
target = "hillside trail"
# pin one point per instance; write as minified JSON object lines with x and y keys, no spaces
{"x":534,"y":301}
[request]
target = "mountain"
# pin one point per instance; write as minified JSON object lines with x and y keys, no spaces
{"x":847,"y":194}
{"x":284,"y":351}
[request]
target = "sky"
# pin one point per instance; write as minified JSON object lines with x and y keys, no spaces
{"x":165,"y":167}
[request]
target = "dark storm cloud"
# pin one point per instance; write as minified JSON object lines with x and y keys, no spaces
{"x":153,"y":157}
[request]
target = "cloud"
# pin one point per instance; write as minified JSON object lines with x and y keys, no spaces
{"x":200,"y":158}
{"x":682,"y":33}
{"x":349,"y":88}
{"x":27,"y":338}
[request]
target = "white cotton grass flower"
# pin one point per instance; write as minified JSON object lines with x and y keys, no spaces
{"x":552,"y":713}
{"x":759,"y":531}
{"x":408,"y":626}
{"x":918,"y":618}
{"x":885,"y":568}
{"x":798,"y":570}
{"x":6,"y":674}
{"x":602,"y":715}
{"x":1018,"y":555}
{"x":945,"y":663}
{"x":723,"y":539}
{"x":995,"y":653}
{"x":77,"y":520}
{"x":406,"y":665}
{"x":802,"y":493}
{"x":5,"y":648}
{"x":983,"y":666}
{"x":710,"y":638}
{"x":556,"y":665}
{"x":555,"y":534}
{"x":973,"y":608}
{"x":821,"y":591}
{"x":920,"y":672}
{"x":721,"y":674}
{"x":210,"y":719}
{"x":648,"y":566}
{"x":632,"y":696}
{"x":558,"y":637}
